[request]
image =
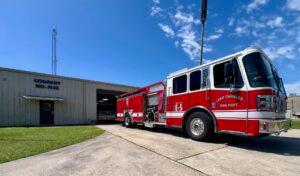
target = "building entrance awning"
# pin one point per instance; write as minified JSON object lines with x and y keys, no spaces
{"x":43,"y":98}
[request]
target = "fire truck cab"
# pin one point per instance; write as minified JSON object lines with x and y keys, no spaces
{"x":238,"y":94}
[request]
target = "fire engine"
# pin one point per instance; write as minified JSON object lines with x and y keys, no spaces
{"x":237,"y":94}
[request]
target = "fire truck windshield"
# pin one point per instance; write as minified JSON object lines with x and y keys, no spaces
{"x":260,"y":71}
{"x":279,"y":83}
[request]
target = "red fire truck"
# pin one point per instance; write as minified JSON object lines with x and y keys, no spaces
{"x":238,"y":94}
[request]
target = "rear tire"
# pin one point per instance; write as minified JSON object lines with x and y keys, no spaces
{"x":199,"y":126}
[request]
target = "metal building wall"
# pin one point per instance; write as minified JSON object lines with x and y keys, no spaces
{"x":294,"y":106}
{"x":79,"y":106}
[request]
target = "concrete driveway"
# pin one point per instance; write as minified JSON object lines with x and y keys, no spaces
{"x":123,"y":151}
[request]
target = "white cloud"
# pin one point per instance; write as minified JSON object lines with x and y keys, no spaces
{"x":287,"y":51}
{"x":207,"y":49}
{"x":220,"y":31}
{"x":280,"y":37}
{"x":284,"y":50}
{"x":293,"y":88}
{"x":187,"y":35}
{"x":230,"y":21}
{"x":177,"y":43}
{"x":293,"y":5}
{"x":188,"y":42}
{"x":155,"y":10}
{"x":280,"y":52}
{"x":167,"y":29}
{"x":255,"y":4}
{"x":276,"y":22}
{"x":156,"y":1}
{"x":241,"y":30}
{"x":185,"y":18}
{"x":206,"y":61}
{"x":213,"y":37}
{"x":271,"y":53}
{"x":278,"y":33}
{"x":216,"y":36}
{"x":184,"y":29}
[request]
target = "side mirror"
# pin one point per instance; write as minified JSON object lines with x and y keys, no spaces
{"x":228,"y":73}
{"x":233,"y":88}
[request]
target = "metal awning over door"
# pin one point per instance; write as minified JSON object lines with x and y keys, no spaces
{"x":27,"y":97}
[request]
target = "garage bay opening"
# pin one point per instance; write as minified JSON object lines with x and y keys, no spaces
{"x":106,"y":104}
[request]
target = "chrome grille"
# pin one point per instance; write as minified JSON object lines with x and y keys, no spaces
{"x":280,"y":104}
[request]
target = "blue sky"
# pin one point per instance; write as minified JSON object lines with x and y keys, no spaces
{"x":137,"y":42}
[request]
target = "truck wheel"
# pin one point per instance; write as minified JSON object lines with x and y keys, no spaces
{"x":128,"y":122}
{"x":199,"y":126}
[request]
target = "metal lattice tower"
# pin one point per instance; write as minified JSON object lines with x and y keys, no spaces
{"x":54,"y":59}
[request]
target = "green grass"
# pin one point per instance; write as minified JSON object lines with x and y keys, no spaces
{"x":296,"y":124}
{"x":22,"y":142}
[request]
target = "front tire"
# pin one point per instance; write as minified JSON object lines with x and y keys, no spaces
{"x":199,"y":126}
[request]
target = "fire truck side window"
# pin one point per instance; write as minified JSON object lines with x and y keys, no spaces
{"x":180,"y":84}
{"x":219,"y":77}
{"x":195,"y":80}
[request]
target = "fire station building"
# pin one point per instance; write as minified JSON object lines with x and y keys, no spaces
{"x":32,"y":99}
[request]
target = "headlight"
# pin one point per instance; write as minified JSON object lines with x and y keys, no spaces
{"x":265,"y":103}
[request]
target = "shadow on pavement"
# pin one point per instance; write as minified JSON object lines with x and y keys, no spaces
{"x":288,"y":146}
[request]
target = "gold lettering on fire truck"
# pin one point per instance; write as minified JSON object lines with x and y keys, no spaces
{"x":229,"y":105}
{"x":230,"y":96}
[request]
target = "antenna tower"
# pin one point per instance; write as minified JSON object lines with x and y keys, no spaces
{"x":203,"y":19}
{"x":54,"y":59}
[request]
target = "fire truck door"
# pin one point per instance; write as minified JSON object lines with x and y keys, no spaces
{"x":177,"y":101}
{"x":228,"y":99}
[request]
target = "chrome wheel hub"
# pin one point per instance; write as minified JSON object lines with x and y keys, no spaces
{"x":197,"y":126}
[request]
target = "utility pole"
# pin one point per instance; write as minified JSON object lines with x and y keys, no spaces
{"x":203,"y":19}
{"x":54,"y":59}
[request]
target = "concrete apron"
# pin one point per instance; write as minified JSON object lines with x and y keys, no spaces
{"x":104,"y":155}
{"x":174,"y":146}
{"x":226,"y":155}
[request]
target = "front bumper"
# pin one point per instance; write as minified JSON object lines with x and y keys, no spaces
{"x":274,"y":126}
